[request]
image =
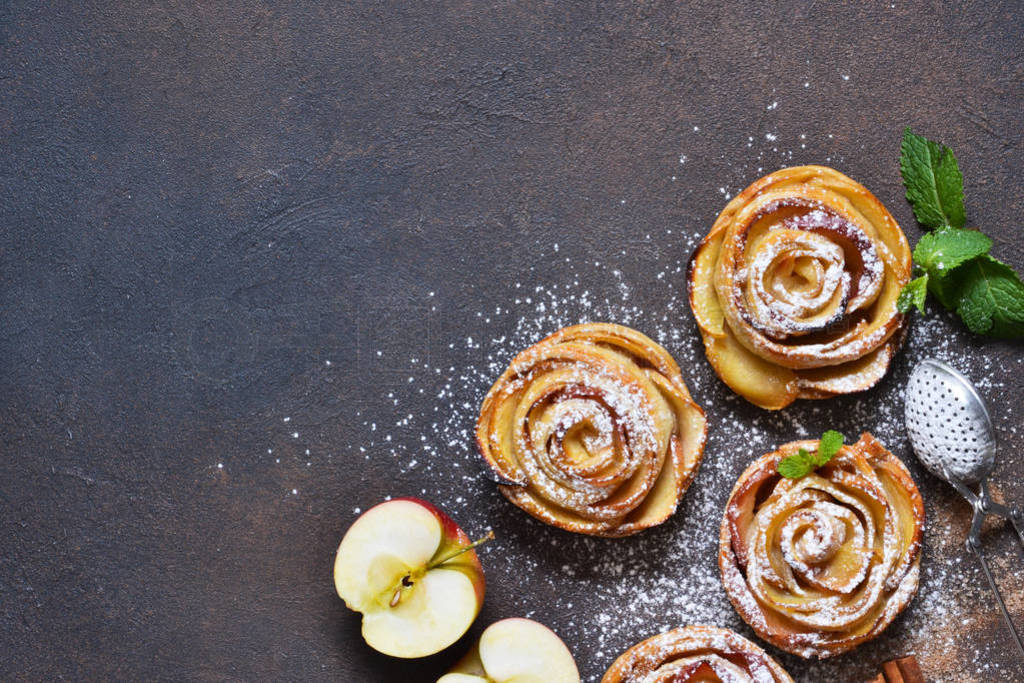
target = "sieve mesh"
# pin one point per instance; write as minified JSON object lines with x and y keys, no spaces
{"x":948,"y":424}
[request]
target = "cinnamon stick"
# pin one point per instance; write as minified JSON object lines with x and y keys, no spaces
{"x":892,"y":672}
{"x":910,"y":670}
{"x":902,"y":670}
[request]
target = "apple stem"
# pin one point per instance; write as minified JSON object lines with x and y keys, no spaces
{"x":461,"y":549}
{"x":409,"y":580}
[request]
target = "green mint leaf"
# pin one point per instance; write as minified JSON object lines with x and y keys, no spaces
{"x":992,"y":298}
{"x":950,"y":185}
{"x":829,"y":444}
{"x":913,"y":294}
{"x":941,"y":251}
{"x":931,"y":176}
{"x":947,"y":289}
{"x":796,"y":465}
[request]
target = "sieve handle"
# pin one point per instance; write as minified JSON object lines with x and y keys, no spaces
{"x":973,"y":546}
{"x":982,"y":504}
{"x":990,"y":507}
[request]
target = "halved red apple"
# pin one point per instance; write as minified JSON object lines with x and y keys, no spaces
{"x":516,"y":650}
{"x":413,"y":575}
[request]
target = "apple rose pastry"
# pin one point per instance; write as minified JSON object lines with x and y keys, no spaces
{"x":795,"y":288}
{"x":818,"y":565}
{"x":696,"y":653}
{"x":592,"y":430}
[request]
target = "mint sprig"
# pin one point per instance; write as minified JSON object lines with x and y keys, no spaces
{"x":992,"y":300}
{"x":804,"y":462}
{"x":946,"y":248}
{"x":935,"y":188}
{"x":913,"y":295}
{"x":953,"y":264}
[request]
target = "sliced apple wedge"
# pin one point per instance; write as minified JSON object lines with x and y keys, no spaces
{"x":413,"y":575}
{"x":516,"y":651}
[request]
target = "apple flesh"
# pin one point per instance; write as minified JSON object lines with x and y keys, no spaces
{"x":413,"y":575}
{"x":516,"y":651}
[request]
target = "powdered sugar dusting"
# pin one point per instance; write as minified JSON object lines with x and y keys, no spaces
{"x":667,"y":576}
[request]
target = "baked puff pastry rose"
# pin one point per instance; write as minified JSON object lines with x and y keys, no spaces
{"x":696,"y":653}
{"x":795,"y":288}
{"x":593,"y":430}
{"x":818,"y":565}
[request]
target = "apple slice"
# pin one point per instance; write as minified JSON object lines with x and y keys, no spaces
{"x":413,"y":575}
{"x":516,"y":651}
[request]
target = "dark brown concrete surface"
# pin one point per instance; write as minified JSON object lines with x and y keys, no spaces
{"x":203,"y":202}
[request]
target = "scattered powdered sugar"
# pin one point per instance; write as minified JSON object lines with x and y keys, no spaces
{"x":604,"y":595}
{"x":665,"y":577}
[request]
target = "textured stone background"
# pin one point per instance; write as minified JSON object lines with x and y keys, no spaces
{"x":202,"y":202}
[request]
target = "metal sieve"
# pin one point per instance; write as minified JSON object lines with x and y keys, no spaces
{"x":952,"y":434}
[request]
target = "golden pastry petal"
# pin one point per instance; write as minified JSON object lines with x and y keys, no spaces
{"x":795,"y":287}
{"x":820,"y":564}
{"x":592,"y":430}
{"x":695,"y":653}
